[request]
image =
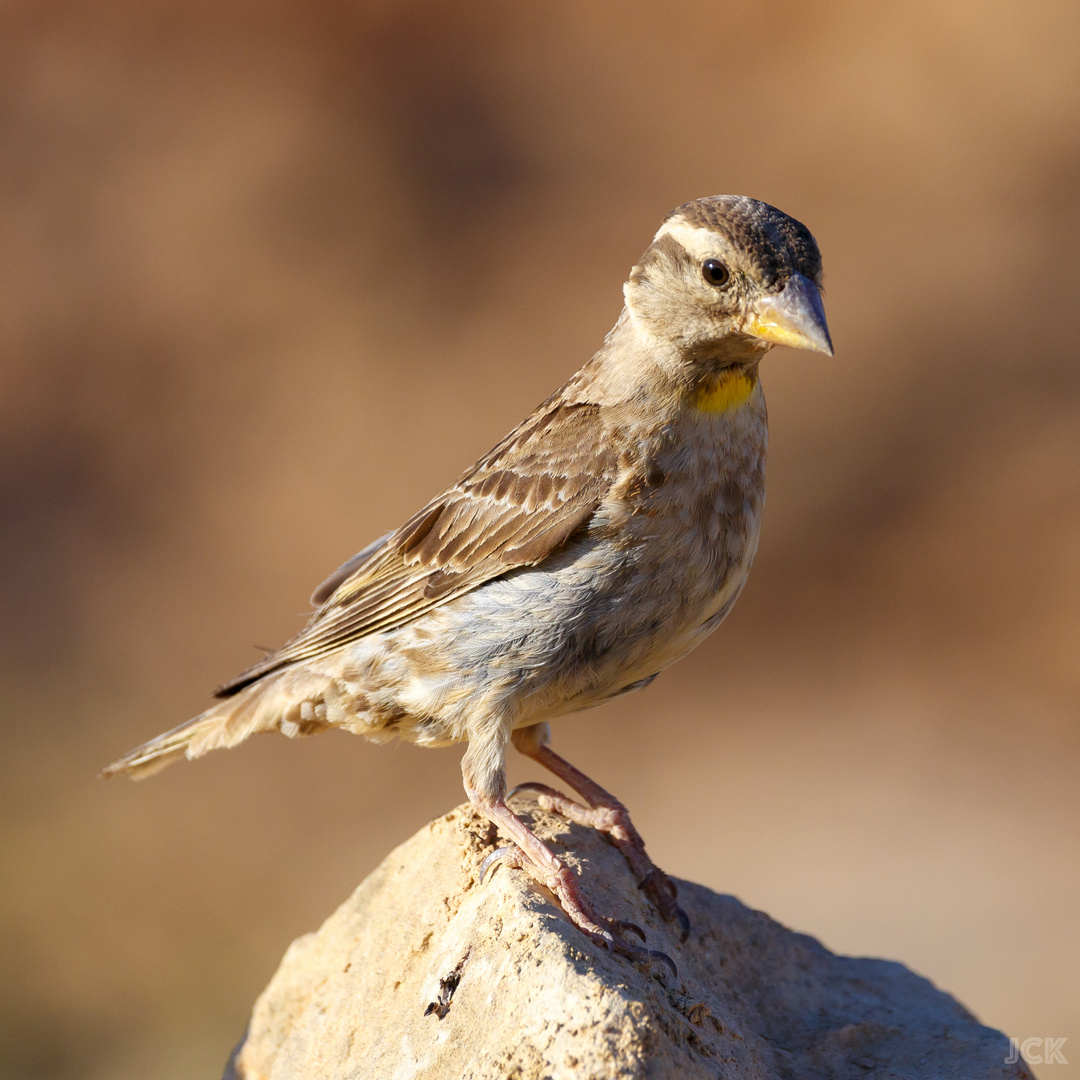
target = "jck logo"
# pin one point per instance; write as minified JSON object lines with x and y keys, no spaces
{"x":1037,"y":1051}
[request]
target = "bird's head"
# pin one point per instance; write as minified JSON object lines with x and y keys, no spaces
{"x":729,"y":275}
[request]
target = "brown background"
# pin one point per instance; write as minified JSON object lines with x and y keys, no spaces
{"x":274,"y":274}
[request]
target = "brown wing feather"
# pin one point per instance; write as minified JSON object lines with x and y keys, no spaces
{"x":514,"y":507}
{"x":346,"y":570}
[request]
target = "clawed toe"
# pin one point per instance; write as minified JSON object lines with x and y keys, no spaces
{"x":656,"y":956}
{"x":602,"y":811}
{"x":628,"y":927}
{"x":540,"y":789}
{"x":663,"y":891}
{"x":509,"y":854}
{"x":634,"y":953}
{"x":609,"y":932}
{"x":637,"y":955}
{"x":684,"y":924}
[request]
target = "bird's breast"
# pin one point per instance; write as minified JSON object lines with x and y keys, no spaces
{"x":697,"y":482}
{"x":687,"y":515}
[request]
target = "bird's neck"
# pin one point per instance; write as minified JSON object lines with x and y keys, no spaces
{"x":635,"y":364}
{"x":724,"y":391}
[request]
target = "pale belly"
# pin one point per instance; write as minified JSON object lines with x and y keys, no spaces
{"x":548,"y":641}
{"x":647,"y":645}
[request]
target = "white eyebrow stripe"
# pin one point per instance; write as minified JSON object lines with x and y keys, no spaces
{"x":698,"y":242}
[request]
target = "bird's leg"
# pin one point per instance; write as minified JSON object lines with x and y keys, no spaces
{"x":603,"y":812}
{"x":531,"y":854}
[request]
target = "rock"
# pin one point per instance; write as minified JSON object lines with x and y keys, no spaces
{"x":426,"y":972}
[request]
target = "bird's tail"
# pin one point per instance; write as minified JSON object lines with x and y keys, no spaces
{"x":223,"y":725}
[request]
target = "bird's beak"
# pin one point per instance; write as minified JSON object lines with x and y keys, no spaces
{"x":794,"y":316}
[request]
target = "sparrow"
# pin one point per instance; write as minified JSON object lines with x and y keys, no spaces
{"x":601,"y":540}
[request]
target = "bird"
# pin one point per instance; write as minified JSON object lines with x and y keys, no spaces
{"x":600,"y":541}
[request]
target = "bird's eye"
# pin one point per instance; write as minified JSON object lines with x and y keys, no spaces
{"x":715,"y":272}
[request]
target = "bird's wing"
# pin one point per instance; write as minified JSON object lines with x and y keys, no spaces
{"x":514,"y":507}
{"x":346,"y":570}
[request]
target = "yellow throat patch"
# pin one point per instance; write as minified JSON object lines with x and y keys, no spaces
{"x":730,"y":389}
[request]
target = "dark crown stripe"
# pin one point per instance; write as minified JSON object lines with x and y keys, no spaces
{"x":769,"y":236}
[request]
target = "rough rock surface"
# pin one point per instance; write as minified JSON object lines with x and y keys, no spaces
{"x":425,"y":972}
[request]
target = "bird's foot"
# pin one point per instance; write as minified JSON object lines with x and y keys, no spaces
{"x":610,"y":817}
{"x":559,"y":879}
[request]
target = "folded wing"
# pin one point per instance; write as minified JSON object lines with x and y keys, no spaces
{"x":513,"y":508}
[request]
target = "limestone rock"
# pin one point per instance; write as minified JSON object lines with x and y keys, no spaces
{"x":426,"y":972}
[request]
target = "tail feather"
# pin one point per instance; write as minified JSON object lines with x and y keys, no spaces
{"x":221,"y":726}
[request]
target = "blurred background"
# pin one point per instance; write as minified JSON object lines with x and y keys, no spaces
{"x":274,"y":273}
